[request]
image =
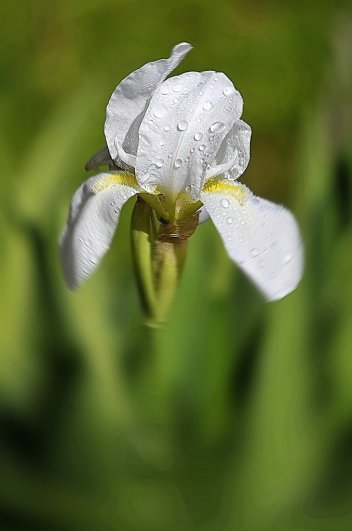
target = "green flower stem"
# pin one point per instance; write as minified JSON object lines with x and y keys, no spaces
{"x":142,"y":241}
{"x":169,"y":258}
{"x":159,"y":251}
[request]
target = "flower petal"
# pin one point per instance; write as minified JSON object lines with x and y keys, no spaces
{"x":261,"y":237}
{"x":129,"y":100}
{"x":203,"y":215}
{"x":93,"y":217}
{"x":234,"y":152}
{"x":185,"y":124}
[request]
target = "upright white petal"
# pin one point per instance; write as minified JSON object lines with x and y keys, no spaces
{"x":129,"y":100}
{"x":93,"y":217}
{"x":234,"y":152}
{"x":184,"y":126}
{"x":261,"y":237}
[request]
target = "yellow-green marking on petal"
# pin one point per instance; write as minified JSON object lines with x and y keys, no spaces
{"x":238,"y":191}
{"x":113,"y":179}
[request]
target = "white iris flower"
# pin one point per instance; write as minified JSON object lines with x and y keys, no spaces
{"x":179,"y":143}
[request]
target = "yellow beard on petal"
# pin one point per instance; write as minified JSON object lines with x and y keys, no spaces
{"x":238,"y":191}
{"x":113,"y":179}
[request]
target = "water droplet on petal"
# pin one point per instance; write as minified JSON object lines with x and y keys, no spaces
{"x":229,"y":221}
{"x":198,"y":136}
{"x":202,"y":147}
{"x":287,"y":258}
{"x":225,"y":203}
{"x":192,"y":150}
{"x":144,"y":128}
{"x":217,"y":127}
{"x":166,"y":128}
{"x":207,"y":106}
{"x":178,"y":88}
{"x":178,"y":163}
{"x":159,"y":163}
{"x":182,"y":126}
{"x":159,"y":112}
{"x":227,"y":91}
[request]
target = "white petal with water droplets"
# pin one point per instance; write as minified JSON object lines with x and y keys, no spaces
{"x":185,"y":124}
{"x":127,"y":105}
{"x":93,"y":217}
{"x":234,"y":152}
{"x":261,"y":237}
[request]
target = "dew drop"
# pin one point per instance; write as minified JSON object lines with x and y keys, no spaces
{"x":178,"y":163}
{"x":229,"y":221}
{"x":182,"y":126}
{"x":225,"y":203}
{"x":217,"y":127}
{"x":159,"y":163}
{"x":159,"y":112}
{"x":144,"y":128}
{"x":164,"y":90}
{"x":166,"y":128}
{"x":287,"y":258}
{"x":178,"y":88}
{"x":202,"y":147}
{"x":198,"y":136}
{"x":192,"y":150}
{"x":207,"y":106}
{"x":227,"y":91}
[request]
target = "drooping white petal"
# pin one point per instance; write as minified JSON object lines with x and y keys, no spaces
{"x":261,"y":237}
{"x":185,"y":124}
{"x":93,"y":217}
{"x":129,"y":100}
{"x":234,"y":152}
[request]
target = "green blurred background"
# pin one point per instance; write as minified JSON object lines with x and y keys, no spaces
{"x":237,"y":415}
